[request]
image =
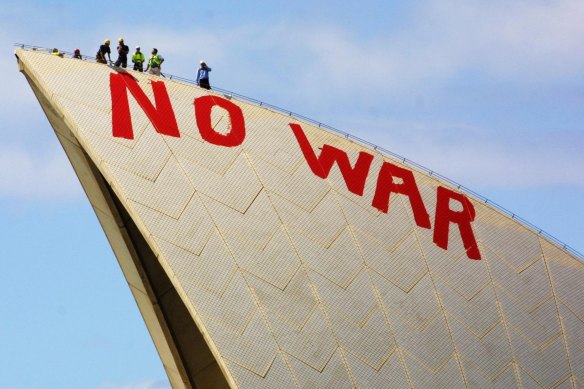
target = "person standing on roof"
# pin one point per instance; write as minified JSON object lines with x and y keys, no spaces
{"x":103,"y":50}
{"x":123,"y":51}
{"x":57,"y":53}
{"x":77,"y":54}
{"x":154,"y":62}
{"x":203,"y":76}
{"x":138,"y":60}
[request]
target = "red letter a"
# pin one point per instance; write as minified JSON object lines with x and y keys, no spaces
{"x":386,"y":185}
{"x":355,"y":177}
{"x":445,"y":216}
{"x":162,"y":117}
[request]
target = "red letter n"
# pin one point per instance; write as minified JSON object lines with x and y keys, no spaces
{"x":408,"y":187}
{"x":445,"y":215}
{"x":162,"y":117}
{"x":321,"y":166}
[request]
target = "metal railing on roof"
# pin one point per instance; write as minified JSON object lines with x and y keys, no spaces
{"x":406,"y":161}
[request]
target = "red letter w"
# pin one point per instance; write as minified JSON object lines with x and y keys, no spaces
{"x":162,"y":117}
{"x":355,"y":177}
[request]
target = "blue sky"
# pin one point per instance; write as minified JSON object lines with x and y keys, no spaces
{"x":490,"y":94}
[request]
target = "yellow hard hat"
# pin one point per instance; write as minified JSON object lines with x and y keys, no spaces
{"x":120,"y":39}
{"x":107,"y":41}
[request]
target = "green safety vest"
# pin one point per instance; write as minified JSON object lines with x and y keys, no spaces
{"x":155,"y":61}
{"x":138,"y":57}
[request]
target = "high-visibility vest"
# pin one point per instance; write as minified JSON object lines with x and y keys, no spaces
{"x":155,"y":61}
{"x":138,"y":57}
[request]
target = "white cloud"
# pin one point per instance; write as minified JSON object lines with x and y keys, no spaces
{"x":480,"y":157}
{"x":28,"y":175}
{"x":516,"y":41}
{"x":321,"y":65}
{"x":18,"y":387}
{"x":139,"y":385}
{"x":515,"y":38}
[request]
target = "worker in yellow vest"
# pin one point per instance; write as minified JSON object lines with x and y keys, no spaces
{"x":154,"y":62}
{"x":138,"y":60}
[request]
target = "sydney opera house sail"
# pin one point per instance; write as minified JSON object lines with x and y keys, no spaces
{"x":266,"y":252}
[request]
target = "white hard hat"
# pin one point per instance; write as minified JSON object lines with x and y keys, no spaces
{"x":137,"y":47}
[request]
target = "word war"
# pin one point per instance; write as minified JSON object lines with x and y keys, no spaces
{"x":391,"y":179}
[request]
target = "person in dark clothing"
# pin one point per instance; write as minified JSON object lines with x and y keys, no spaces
{"x":103,"y":50}
{"x":77,"y":54}
{"x":123,"y":51}
{"x":203,"y":76}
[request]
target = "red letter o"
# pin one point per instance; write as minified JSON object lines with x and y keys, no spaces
{"x":203,"y":107}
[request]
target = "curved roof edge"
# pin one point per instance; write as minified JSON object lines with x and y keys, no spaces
{"x":388,"y":153}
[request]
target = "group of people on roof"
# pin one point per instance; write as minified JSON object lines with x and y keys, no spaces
{"x":153,"y":64}
{"x":76,"y":53}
